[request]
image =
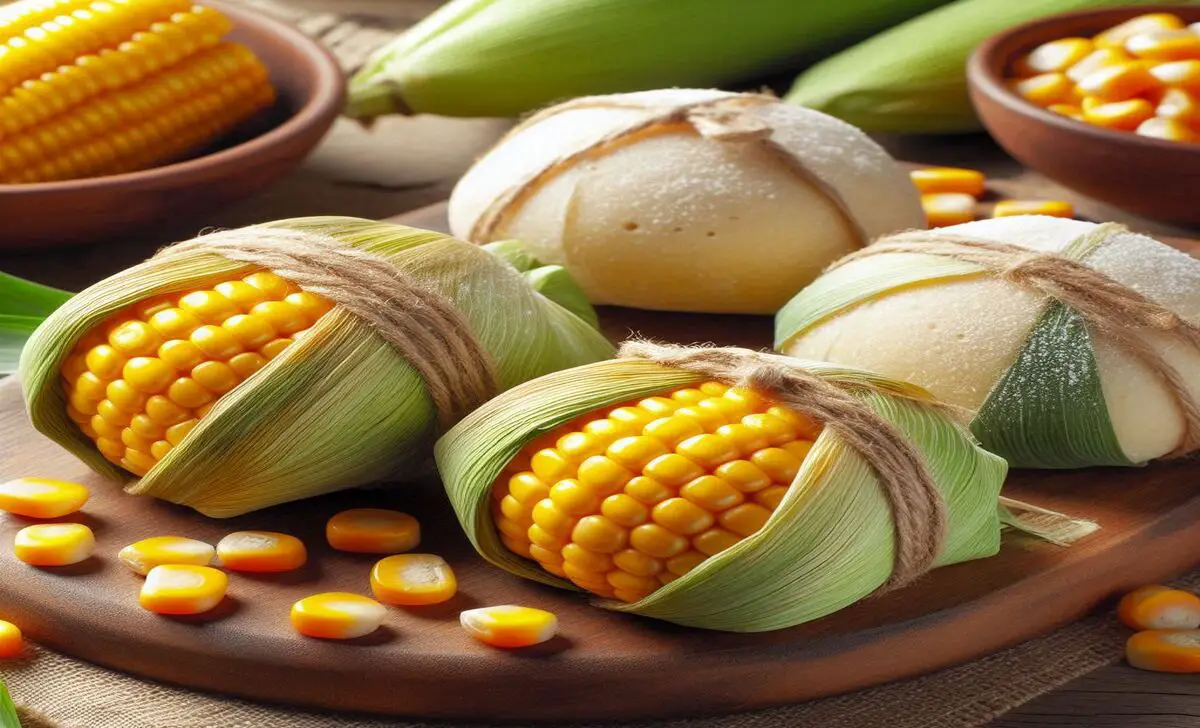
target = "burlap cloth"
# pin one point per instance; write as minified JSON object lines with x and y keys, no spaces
{"x":55,"y":691}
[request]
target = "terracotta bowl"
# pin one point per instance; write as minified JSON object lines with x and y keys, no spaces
{"x":311,"y":89}
{"x":1151,"y":177}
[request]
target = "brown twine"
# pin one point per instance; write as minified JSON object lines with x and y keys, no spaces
{"x":722,"y":119}
{"x":1107,"y":306}
{"x":918,"y":510}
{"x":418,"y":322}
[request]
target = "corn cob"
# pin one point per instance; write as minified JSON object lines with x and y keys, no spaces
{"x":199,"y":373}
{"x":625,"y":503}
{"x":912,"y":77}
{"x":139,"y":383}
{"x":110,"y":86}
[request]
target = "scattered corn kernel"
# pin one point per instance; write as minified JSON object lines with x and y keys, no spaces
{"x":1119,"y":115}
{"x":948,"y":179}
{"x":1169,"y":130}
{"x":1045,"y":88}
{"x":261,"y":551}
{"x":413,"y":580}
{"x":183,"y":589}
{"x":159,"y":550}
{"x":1159,"y":607}
{"x":337,"y":616}
{"x":948,"y":208}
{"x":373,"y":531}
{"x":1116,"y":36}
{"x":509,"y":626}
{"x":1053,"y":208}
{"x":12,"y":643}
{"x":1054,"y":56}
{"x":41,"y":497}
{"x":54,"y":544}
{"x":151,"y":378}
{"x":675,"y":464}
{"x":1165,"y":650}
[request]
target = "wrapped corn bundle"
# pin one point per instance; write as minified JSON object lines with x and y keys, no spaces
{"x":1072,"y":344}
{"x":685,"y":199}
{"x":276,"y":362}
{"x":724,"y":488}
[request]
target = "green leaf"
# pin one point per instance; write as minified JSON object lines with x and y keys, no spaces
{"x":22,"y":297}
{"x":8,"y":710}
{"x":1035,"y":420}
{"x":14,"y":331}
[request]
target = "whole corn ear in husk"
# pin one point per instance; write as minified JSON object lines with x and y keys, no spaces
{"x":1072,"y":344}
{"x":912,"y":78}
{"x":507,"y":57}
{"x":208,"y":372}
{"x":649,"y":484}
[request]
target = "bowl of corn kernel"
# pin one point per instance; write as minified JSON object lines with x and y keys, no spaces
{"x":116,"y":114}
{"x":1106,"y":102}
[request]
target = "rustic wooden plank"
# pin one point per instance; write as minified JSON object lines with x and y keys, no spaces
{"x":1116,"y":697}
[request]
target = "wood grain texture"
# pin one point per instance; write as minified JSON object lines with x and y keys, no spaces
{"x":422,"y":664}
{"x":1113,"y":697}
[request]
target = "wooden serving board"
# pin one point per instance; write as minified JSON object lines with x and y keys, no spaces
{"x":603,"y":665}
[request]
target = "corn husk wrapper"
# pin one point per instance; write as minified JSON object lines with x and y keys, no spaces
{"x":1044,"y":389}
{"x":340,"y":407}
{"x":828,"y":545}
{"x":507,"y":57}
{"x":912,"y":78}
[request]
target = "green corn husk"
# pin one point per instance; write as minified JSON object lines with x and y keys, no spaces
{"x":828,"y":545}
{"x":23,"y":306}
{"x":8,"y":711}
{"x":339,"y":407}
{"x":1043,"y":402}
{"x":507,"y":57}
{"x":912,"y":78}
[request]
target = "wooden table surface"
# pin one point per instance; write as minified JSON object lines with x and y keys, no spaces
{"x":349,"y":175}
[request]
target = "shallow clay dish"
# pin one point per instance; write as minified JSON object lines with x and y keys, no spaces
{"x":1152,"y":177}
{"x":310,"y":87}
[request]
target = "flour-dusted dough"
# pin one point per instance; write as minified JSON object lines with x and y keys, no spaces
{"x":669,"y":219}
{"x":957,"y":338}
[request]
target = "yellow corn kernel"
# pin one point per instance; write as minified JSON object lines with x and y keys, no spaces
{"x":610,"y":523}
{"x":1096,"y":60}
{"x":1043,"y":89}
{"x":261,"y":551}
{"x":1165,"y":650}
{"x":1178,"y":105}
{"x":1120,"y":115}
{"x":337,"y":616}
{"x":1116,"y":36}
{"x":1169,"y":130}
{"x":1164,"y":45}
{"x":413,"y":580}
{"x":1054,"y":56}
{"x":12,"y":643}
{"x":183,"y":589}
{"x":42,"y":497}
{"x":1053,"y":208}
{"x":148,"y":374}
{"x":931,"y":180}
{"x":1178,"y":74}
{"x":509,"y":625}
{"x":373,"y":531}
{"x":54,"y":544}
{"x":948,"y":208}
{"x":1070,"y":110}
{"x":1119,"y":82}
{"x":148,"y":553}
